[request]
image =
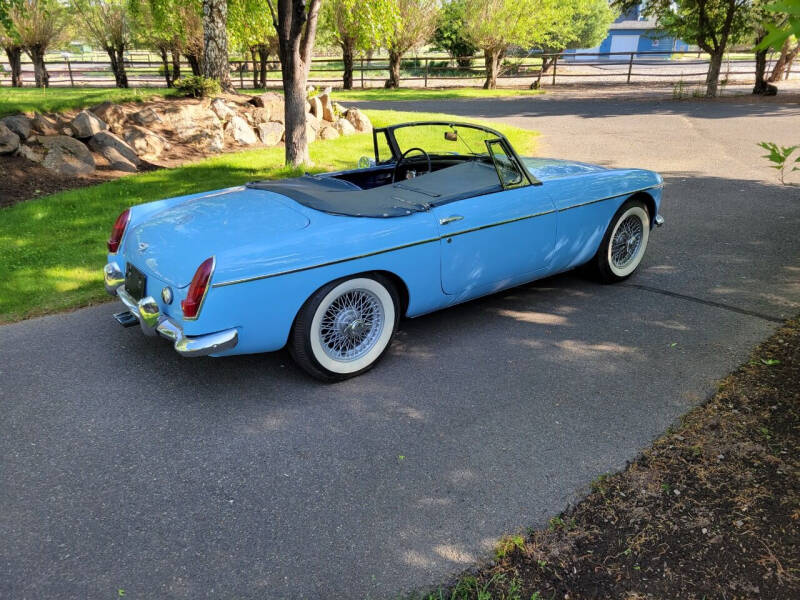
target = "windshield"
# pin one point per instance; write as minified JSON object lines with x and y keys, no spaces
{"x":437,"y":138}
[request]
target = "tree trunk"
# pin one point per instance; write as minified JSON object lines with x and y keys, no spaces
{"x":14,"y":54}
{"x":263,"y":56}
{"x":254,"y":58}
{"x":788,"y":54}
{"x":547,"y":63}
{"x":492,"y":61}
{"x":394,"y":70}
{"x":712,"y":78}
{"x":347,"y":57}
{"x":165,"y":66}
{"x":463,"y":62}
{"x":370,"y":54}
{"x":761,"y":84}
{"x":215,"y":42}
{"x":41,"y":75}
{"x":194,"y":63}
{"x":118,"y":66}
{"x":294,"y":92}
{"x":176,"y":64}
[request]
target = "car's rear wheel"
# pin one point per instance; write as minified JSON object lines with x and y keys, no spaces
{"x":624,"y":243}
{"x":345,"y":327}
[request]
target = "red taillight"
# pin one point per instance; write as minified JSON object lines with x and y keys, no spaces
{"x":197,"y":289}
{"x":119,"y":228}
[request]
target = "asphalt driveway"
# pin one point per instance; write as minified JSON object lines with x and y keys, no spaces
{"x":127,"y":467}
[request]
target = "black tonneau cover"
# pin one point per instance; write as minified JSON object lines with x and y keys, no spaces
{"x":340,"y":197}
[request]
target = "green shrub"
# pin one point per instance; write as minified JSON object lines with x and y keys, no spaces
{"x":197,"y":86}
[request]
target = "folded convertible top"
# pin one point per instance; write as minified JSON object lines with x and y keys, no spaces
{"x":340,"y":197}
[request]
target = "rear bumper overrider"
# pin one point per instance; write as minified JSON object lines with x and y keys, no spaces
{"x":152,"y":322}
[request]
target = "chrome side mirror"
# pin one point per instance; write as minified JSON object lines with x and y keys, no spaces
{"x":365,"y":162}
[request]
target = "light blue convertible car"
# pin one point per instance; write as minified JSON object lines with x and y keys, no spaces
{"x":328,"y":264}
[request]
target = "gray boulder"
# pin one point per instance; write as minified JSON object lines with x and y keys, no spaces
{"x":146,"y":116}
{"x":113,"y":115}
{"x":344,"y":127}
{"x":358,"y":120}
{"x":270,"y":133}
{"x":197,"y":125}
{"x":44,"y":125}
{"x":116,"y":160}
{"x":222,"y":110}
{"x":86,"y":124}
{"x":327,"y":132}
{"x":19,"y":124}
{"x":327,"y":108}
{"x":241,"y":132}
{"x":145,"y":143}
{"x":273,"y":102}
{"x":316,"y":106}
{"x":105,"y":139}
{"x":66,"y":156}
{"x":9,"y":141}
{"x":30,"y":153}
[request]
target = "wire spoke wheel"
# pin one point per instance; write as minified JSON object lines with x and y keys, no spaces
{"x":345,"y":327}
{"x":624,"y":243}
{"x":627,"y":241}
{"x":351,"y":325}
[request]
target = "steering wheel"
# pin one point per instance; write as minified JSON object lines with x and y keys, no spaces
{"x":403,"y":157}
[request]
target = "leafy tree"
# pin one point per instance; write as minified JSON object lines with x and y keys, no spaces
{"x":173,"y":27}
{"x":785,"y":24}
{"x":296,"y":24}
{"x":108,"y":24}
{"x":587,"y":27}
{"x":356,"y":26}
{"x":250,"y":28}
{"x":789,"y":51}
{"x":414,"y":25}
{"x":711,"y":24}
{"x":215,"y":42}
{"x":39,"y":24}
{"x":449,"y":34}
{"x":495,"y":25}
{"x":9,"y":40}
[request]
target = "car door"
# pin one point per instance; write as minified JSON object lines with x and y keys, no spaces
{"x":499,"y":239}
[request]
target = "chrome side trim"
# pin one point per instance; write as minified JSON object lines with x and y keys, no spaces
{"x":490,"y":225}
{"x":427,"y":241}
{"x":652,"y":187}
{"x":325,"y":264}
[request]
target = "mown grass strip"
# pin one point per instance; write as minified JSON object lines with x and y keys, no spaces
{"x":44,"y":100}
{"x":53,"y":248}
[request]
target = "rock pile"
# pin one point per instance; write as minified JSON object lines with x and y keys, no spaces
{"x":124,"y":136}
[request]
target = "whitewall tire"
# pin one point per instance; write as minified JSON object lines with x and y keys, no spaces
{"x":345,"y":327}
{"x":624,"y":243}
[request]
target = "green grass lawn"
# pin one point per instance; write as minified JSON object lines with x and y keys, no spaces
{"x":52,"y":248}
{"x":16,"y":100}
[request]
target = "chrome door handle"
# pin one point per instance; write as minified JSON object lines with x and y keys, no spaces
{"x":450,"y":219}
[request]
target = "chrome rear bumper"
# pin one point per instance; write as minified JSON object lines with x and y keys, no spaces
{"x":152,"y":322}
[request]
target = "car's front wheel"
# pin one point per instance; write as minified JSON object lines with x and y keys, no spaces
{"x":624,"y":243}
{"x":345,"y":327}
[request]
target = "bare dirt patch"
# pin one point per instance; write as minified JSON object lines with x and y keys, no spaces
{"x":712,"y":510}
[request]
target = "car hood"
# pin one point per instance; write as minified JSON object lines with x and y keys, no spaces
{"x":172,"y":243}
{"x":545,"y":169}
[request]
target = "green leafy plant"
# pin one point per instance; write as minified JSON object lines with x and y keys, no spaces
{"x":197,"y":86}
{"x":508,"y":544}
{"x":779,"y":157}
